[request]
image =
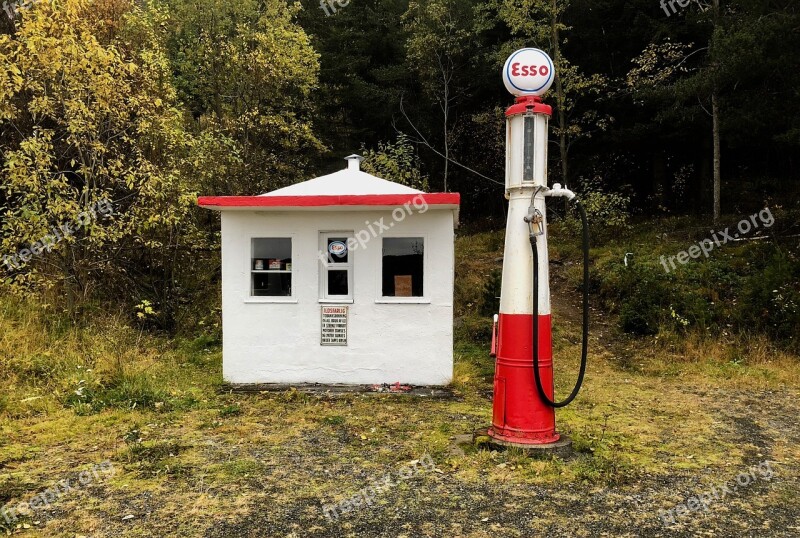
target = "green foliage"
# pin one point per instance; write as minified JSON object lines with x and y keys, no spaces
{"x":746,"y":288}
{"x":639,"y":293}
{"x":93,"y":106}
{"x":608,"y":213}
{"x":86,"y":120}
{"x":648,"y":299}
{"x":491,"y":293}
{"x":233,"y":410}
{"x":246,"y":72}
{"x":771,"y":296}
{"x":396,"y":161}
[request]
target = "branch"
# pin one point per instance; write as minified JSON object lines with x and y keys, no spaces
{"x":422,"y":140}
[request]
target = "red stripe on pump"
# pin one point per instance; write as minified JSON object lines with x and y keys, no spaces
{"x":519,"y":415}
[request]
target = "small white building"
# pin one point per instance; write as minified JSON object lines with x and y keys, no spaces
{"x":343,"y":279}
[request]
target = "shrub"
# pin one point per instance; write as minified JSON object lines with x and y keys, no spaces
{"x":491,"y":293}
{"x":639,"y":293}
{"x":607,"y":212}
{"x":474,"y":329}
{"x":772,"y":297}
{"x":396,"y":161}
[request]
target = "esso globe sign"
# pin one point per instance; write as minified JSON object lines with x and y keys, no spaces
{"x":528,"y":72}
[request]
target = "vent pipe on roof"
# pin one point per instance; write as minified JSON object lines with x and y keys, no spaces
{"x":354,"y":162}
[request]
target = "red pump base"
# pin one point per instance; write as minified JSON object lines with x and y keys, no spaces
{"x":520,"y":417}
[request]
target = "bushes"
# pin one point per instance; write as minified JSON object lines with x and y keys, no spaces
{"x":772,"y":297}
{"x":639,"y":293}
{"x":607,"y":213}
{"x":744,"y":288}
{"x":491,"y":294}
{"x":648,"y":299}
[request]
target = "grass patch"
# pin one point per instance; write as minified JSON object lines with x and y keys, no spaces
{"x":155,"y":458}
{"x":233,"y":410}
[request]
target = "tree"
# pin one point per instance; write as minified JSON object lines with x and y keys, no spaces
{"x":247,"y":72}
{"x":540,"y":23}
{"x":82,"y":122}
{"x":439,"y":50}
{"x":396,"y":161}
{"x":741,"y":52}
{"x":363,"y":72}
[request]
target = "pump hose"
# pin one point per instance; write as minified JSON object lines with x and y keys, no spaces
{"x":535,"y":343}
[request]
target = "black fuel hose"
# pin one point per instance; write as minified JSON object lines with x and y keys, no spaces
{"x":535,"y":343}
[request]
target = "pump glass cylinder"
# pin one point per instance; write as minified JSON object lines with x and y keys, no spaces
{"x":526,"y":150}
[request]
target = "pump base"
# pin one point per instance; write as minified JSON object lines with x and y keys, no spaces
{"x":561,"y":444}
{"x":523,"y":438}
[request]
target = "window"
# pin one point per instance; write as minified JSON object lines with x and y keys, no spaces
{"x":403,"y":266}
{"x":336,"y":274}
{"x":271,"y":267}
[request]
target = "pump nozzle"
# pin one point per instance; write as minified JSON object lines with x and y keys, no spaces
{"x":535,"y":217}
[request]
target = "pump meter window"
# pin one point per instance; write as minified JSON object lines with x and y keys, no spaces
{"x":403,"y":266}
{"x":271,"y":267}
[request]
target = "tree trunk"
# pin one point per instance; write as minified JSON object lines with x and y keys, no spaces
{"x":715,"y":122}
{"x":717,"y":155}
{"x":446,"y":149}
{"x":446,"y":114}
{"x":562,"y":114}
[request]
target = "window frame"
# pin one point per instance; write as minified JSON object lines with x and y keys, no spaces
{"x":325,"y":267}
{"x":425,"y":299}
{"x":249,"y":270}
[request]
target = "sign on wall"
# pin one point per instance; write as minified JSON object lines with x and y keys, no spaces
{"x":334,"y":326}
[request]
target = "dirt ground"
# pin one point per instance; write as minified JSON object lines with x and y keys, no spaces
{"x":441,"y":504}
{"x":762,"y":424}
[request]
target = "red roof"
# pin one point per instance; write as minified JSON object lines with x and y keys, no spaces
{"x":452,"y":200}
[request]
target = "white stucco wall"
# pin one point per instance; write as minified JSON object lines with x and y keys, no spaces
{"x":279,"y":342}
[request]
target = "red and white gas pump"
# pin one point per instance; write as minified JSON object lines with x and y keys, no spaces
{"x":524,"y":406}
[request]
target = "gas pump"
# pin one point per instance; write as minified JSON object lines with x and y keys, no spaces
{"x":524,"y":403}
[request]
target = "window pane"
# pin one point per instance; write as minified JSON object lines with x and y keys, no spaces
{"x":403,"y":261}
{"x":337,"y":250}
{"x":337,"y":283}
{"x":272,"y":284}
{"x":271,"y":263}
{"x":271,"y":253}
